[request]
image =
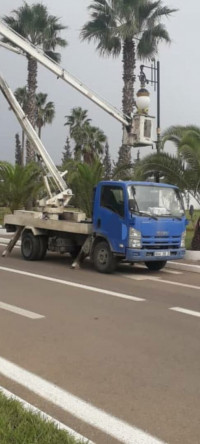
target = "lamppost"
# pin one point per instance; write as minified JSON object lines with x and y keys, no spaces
{"x":143,"y":94}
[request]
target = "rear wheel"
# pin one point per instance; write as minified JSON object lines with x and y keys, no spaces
{"x":43,"y":241}
{"x":30,"y":246}
{"x":103,"y":258}
{"x":155,"y":266}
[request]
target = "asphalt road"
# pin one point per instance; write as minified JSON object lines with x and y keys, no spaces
{"x":134,"y":357}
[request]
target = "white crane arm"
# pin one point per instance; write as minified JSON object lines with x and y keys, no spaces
{"x":32,"y":135}
{"x":39,"y":55}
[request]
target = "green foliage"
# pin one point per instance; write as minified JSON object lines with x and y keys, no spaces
{"x":175,"y":133}
{"x":19,"y":184}
{"x":183,"y":169}
{"x":107,"y":163}
{"x":18,"y":151}
{"x":45,"y":112}
{"x":19,"y":426}
{"x":67,"y":154}
{"x":3,"y":212}
{"x":35,"y":24}
{"x":82,"y":179}
{"x":113,"y":22}
{"x":43,"y":30}
{"x":89,"y":140}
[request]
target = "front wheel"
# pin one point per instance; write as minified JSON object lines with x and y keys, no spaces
{"x":155,"y":266}
{"x":103,"y":258}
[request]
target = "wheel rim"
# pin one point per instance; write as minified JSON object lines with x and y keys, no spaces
{"x":103,"y":256}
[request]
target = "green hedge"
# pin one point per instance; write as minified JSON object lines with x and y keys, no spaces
{"x":3,"y":212}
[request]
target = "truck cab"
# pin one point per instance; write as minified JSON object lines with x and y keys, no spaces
{"x":140,"y":221}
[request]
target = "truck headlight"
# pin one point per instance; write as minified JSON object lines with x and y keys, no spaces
{"x":134,"y":238}
{"x":183,"y":239}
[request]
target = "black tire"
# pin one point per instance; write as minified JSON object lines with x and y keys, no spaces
{"x":43,"y":241}
{"x":103,"y":258}
{"x":30,"y":246}
{"x":155,"y":266}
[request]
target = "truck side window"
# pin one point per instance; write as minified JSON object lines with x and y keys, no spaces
{"x":112,"y":197}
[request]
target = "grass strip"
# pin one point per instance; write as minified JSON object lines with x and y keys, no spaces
{"x":21,"y":426}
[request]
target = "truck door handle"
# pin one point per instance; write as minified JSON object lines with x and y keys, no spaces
{"x":98,"y":223}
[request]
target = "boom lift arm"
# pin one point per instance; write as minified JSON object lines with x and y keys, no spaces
{"x":137,"y":129}
{"x":65,"y":193}
{"x":42,"y":58}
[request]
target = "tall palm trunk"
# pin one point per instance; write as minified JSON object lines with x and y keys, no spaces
{"x":23,"y":145}
{"x":31,"y":106}
{"x":129,"y":64}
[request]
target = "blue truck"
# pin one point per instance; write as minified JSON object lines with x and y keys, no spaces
{"x":137,"y":222}
{"x":131,"y":222}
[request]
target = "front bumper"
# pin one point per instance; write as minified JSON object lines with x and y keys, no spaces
{"x":144,"y":255}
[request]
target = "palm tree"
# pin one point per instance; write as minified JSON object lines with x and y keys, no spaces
{"x":82,"y":181}
{"x":107,"y":163}
{"x":67,"y":154}
{"x":175,"y":134}
{"x":45,"y":112}
{"x":182,"y":169}
{"x":21,"y":95}
{"x":93,"y":143}
{"x":42,"y":30}
{"x":77,"y":122}
{"x":18,"y":183}
{"x":116,"y":26}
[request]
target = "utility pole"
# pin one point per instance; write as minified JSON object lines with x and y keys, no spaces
{"x":158,"y":107}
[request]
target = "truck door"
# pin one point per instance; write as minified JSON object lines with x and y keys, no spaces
{"x":110,"y":220}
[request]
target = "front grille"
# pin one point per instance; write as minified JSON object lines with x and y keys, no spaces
{"x":161,"y":243}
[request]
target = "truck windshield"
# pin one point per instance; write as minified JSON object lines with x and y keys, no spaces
{"x":155,"y":201}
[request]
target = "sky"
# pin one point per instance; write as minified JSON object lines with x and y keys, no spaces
{"x":180,"y":72}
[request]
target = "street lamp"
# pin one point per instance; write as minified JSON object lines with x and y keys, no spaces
{"x":143,"y":99}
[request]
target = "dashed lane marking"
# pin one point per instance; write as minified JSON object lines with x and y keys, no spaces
{"x":98,"y":418}
{"x":157,"y":279}
{"x":137,"y":265}
{"x":73,"y":284}
{"x":20,"y":311}
{"x":185,"y":311}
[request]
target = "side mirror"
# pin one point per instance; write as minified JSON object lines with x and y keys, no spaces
{"x":131,"y":205}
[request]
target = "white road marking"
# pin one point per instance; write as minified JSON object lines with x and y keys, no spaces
{"x":77,"y":407}
{"x":6,"y":240}
{"x":43,"y":415}
{"x":73,"y":284}
{"x":139,"y":277}
{"x":20,"y":311}
{"x":162,"y":271}
{"x":157,"y":279}
{"x":188,"y":265}
{"x":16,"y":246}
{"x":185,"y":311}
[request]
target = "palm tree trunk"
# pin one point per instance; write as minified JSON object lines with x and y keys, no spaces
{"x":129,"y":64}
{"x":31,"y":106}
{"x":23,"y":145}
